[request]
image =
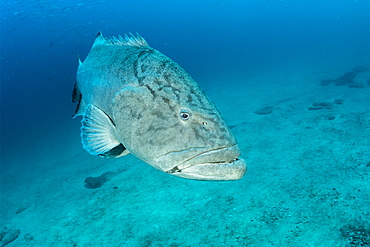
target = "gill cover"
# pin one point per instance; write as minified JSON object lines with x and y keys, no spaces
{"x":130,"y":106}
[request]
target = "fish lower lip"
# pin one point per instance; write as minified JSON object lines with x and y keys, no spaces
{"x":221,"y":171}
{"x":216,"y":162}
{"x":221,"y":155}
{"x":222,"y":162}
{"x":177,"y":169}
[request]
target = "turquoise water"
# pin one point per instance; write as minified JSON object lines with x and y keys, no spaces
{"x":263,"y":63}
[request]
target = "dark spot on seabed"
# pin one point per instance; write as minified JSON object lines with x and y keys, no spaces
{"x":20,"y":210}
{"x":235,"y":125}
{"x":264,"y":111}
{"x":97,"y":182}
{"x":327,"y":82}
{"x":325,"y":105}
{"x":347,"y":78}
{"x":320,"y":105}
{"x":338,"y":101}
{"x":356,"y":234}
{"x":8,"y":235}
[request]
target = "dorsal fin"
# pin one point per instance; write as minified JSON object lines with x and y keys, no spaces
{"x":100,"y":40}
{"x":128,"y":40}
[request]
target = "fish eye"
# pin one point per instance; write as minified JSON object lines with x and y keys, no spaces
{"x":185,"y":115}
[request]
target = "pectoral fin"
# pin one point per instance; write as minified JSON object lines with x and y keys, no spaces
{"x":98,"y":134}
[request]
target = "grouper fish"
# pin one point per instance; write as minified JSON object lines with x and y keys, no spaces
{"x":133,"y":99}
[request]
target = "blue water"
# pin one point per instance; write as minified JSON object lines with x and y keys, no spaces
{"x":212,"y":40}
{"x":40,"y":40}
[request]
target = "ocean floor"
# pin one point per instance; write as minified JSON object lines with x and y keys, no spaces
{"x":308,"y":181}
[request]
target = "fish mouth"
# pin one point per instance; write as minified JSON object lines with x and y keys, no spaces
{"x":216,"y":164}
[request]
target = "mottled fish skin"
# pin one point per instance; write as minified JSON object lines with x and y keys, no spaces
{"x":157,"y":112}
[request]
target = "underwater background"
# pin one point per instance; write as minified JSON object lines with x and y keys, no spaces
{"x":291,"y":78}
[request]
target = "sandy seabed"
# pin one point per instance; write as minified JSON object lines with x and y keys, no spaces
{"x":307,"y":184}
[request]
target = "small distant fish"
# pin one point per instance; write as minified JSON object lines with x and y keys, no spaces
{"x":133,"y":99}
